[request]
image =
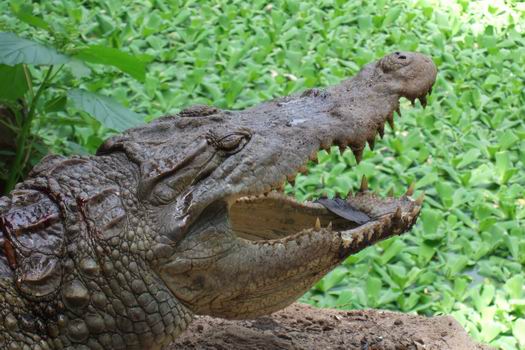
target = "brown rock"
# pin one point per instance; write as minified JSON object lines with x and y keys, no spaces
{"x":328,"y":329}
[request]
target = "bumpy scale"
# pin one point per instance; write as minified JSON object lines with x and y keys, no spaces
{"x":186,"y":216}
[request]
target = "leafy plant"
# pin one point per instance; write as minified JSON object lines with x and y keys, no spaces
{"x":34,"y":88}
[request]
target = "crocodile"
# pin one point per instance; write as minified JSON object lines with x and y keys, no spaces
{"x":187,"y":216}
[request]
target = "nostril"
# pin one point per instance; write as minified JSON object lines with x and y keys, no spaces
{"x":396,"y":53}
{"x":402,"y":57}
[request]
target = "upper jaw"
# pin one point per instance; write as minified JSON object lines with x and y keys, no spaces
{"x":274,"y":156}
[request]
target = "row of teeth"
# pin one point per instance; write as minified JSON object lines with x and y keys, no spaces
{"x":358,"y":153}
{"x":363,"y":188}
{"x":343,"y":146}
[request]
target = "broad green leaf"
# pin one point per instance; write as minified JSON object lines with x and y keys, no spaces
{"x":56,"y":104}
{"x":515,"y":287}
{"x":518,"y":329}
{"x":388,"y":296}
{"x":505,"y":343}
{"x":113,"y":57}
{"x":24,"y":12}
{"x":106,"y":110}
{"x":364,"y":22}
{"x":396,"y":247}
{"x":507,"y":139}
{"x":15,"y":50}
{"x":490,"y":330}
{"x":14,"y":82}
{"x":346,"y":297}
{"x":183,"y":14}
{"x":469,"y":157}
{"x":79,"y":69}
{"x":331,"y":280}
{"x":373,"y":290}
{"x":428,"y":179}
{"x":454,"y":264}
{"x":487,"y":295}
{"x":431,"y":219}
{"x":399,"y":274}
{"x":392,"y":15}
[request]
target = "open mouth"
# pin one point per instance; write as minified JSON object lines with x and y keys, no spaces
{"x":247,"y":248}
{"x":277,"y":215}
{"x":361,"y":219}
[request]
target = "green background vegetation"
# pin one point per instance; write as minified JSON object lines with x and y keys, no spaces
{"x":466,"y":150}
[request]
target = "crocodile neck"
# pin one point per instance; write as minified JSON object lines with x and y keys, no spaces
{"x":98,"y":284}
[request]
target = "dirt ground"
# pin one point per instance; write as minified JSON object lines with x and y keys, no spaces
{"x":303,"y":327}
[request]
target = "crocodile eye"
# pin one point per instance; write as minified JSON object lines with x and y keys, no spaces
{"x":231,"y":143}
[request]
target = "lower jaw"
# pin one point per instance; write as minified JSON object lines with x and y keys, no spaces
{"x":271,"y":267}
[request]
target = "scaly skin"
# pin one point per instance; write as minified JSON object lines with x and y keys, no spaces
{"x":184,"y":216}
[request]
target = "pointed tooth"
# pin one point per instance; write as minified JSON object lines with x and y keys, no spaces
{"x":313,"y":156}
{"x":423,"y":100}
{"x":381,"y":130}
{"x":372,"y":142}
{"x":303,"y":169}
{"x":358,"y":153}
{"x":342,"y":146}
{"x":391,"y":193}
{"x":398,"y":111}
{"x":397,"y":214}
{"x":410,"y":189}
{"x":317,"y":224}
{"x":372,"y":232}
{"x":326,"y":145}
{"x":364,"y":184}
{"x":420,"y":199}
{"x":390,"y":119}
{"x":329,"y":227}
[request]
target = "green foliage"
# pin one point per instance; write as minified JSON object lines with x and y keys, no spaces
{"x":113,"y":57}
{"x":14,"y":84}
{"x":105,"y":110}
{"x":15,"y":50}
{"x":22,"y":103}
{"x":466,"y":150}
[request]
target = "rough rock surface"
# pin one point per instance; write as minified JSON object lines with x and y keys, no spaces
{"x":301,"y":326}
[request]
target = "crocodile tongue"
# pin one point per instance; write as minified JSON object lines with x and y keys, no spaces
{"x":344,"y":210}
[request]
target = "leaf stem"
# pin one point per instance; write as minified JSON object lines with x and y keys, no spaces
{"x":15,"y":171}
{"x":28,"y":80}
{"x":56,"y":72}
{"x":8,"y":125}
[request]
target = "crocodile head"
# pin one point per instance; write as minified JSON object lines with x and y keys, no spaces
{"x":228,"y":241}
